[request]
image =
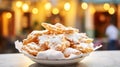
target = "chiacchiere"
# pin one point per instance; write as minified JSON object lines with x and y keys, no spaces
{"x":57,"y":39}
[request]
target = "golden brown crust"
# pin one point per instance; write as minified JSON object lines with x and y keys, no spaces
{"x":30,"y":51}
{"x":30,"y":39}
{"x":44,"y":46}
{"x":86,"y":50}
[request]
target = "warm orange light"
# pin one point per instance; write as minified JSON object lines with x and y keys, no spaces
{"x":92,"y":10}
{"x":84,"y":5}
{"x":55,"y":11}
{"x":106,"y":6}
{"x":25,"y":7}
{"x":18,"y":3}
{"x":111,"y":11}
{"x":67,"y":6}
{"x":8,"y":15}
{"x":48,"y":6}
{"x":35,"y":11}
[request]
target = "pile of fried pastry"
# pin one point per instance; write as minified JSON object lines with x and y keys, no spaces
{"x":57,"y":42}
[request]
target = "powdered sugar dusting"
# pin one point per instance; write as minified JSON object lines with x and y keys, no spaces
{"x":56,"y":42}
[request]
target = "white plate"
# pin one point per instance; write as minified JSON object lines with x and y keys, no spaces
{"x":56,"y":61}
{"x":76,"y":59}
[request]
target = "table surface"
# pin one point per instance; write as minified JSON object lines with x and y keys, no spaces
{"x":95,"y":59}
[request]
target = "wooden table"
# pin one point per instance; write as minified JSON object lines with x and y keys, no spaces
{"x":95,"y":59}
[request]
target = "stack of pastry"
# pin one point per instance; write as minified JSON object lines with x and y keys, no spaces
{"x":56,"y":42}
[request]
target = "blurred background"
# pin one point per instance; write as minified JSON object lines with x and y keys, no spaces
{"x":20,"y":17}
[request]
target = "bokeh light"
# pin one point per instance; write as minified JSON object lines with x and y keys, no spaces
{"x":84,"y":5}
{"x":19,"y":4}
{"x":55,"y":11}
{"x":48,"y":6}
{"x":8,"y":15}
{"x":35,"y":11}
{"x":106,"y":6}
{"x":111,"y":11}
{"x":67,"y":6}
{"x":25,"y":7}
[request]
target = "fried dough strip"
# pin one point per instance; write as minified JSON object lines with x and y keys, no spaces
{"x":59,"y":28}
